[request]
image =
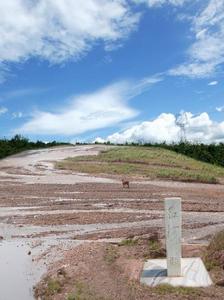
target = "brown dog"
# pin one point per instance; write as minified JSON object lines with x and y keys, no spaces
{"x":125,"y":183}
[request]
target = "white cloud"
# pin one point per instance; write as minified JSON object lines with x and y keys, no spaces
{"x":193,"y":70}
{"x":99,"y":140}
{"x":3,"y":110}
{"x":160,"y":129}
{"x":3,"y":71}
{"x":56,"y":30}
{"x":17,"y":115}
{"x":213,"y":82}
{"x":103,"y":108}
{"x":143,"y":84}
{"x":74,"y":27}
{"x":206,"y":53}
{"x":220,"y":109}
{"x":199,"y":128}
{"x":152,"y":3}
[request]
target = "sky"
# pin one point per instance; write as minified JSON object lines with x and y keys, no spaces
{"x":112,"y":70}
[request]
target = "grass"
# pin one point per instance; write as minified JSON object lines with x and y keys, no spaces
{"x":214,"y":256}
{"x":110,"y":255}
{"x":53,"y":287}
{"x":165,"y":289}
{"x":155,"y":249}
{"x":154,"y":245}
{"x":72,"y":297}
{"x":162,"y":291}
{"x":128,"y":242}
{"x":83,"y":292}
{"x":149,"y":162}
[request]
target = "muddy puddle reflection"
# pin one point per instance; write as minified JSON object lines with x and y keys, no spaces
{"x":18,"y":273}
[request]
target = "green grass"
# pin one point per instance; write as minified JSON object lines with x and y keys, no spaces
{"x":165,"y":289}
{"x":148,"y":162}
{"x":154,"y":245}
{"x":53,"y":287}
{"x":83,"y":292}
{"x":72,"y":297}
{"x":128,"y":242}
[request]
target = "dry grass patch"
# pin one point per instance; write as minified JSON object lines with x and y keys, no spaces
{"x":214,"y":256}
{"x":111,"y":254}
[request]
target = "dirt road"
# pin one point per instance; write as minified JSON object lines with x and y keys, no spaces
{"x":48,"y":211}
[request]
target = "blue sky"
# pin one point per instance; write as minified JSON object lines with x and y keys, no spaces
{"x":116,"y":70}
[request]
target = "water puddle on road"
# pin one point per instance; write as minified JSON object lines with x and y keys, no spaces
{"x":18,"y":273}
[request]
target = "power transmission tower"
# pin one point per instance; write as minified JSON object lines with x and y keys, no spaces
{"x":182,"y":121}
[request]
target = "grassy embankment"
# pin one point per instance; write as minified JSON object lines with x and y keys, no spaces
{"x":148,"y":162}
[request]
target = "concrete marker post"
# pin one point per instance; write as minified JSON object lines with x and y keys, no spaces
{"x":173,"y":236}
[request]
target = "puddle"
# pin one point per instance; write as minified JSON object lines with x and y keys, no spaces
{"x":18,"y":272}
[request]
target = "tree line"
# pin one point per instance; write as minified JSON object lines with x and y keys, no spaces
{"x":19,"y":143}
{"x":210,"y":153}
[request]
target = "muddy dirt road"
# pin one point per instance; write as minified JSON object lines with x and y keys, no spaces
{"x":44,"y":212}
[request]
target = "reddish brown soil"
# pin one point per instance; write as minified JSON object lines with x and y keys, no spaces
{"x":121,"y":232}
{"x":80,"y":196}
{"x":110,"y":272}
{"x":100,"y":196}
{"x":80,"y":218}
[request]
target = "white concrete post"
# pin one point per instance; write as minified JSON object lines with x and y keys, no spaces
{"x":173,"y":236}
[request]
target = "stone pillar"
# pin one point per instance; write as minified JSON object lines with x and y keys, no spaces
{"x":173,"y":236}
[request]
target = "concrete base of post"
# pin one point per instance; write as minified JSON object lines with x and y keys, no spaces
{"x":193,"y":273}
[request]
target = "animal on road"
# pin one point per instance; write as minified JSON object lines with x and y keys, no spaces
{"x":125,"y":183}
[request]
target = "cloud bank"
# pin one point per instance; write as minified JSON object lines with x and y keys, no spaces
{"x":199,"y":128}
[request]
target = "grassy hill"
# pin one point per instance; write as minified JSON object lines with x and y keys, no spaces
{"x":148,"y":162}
